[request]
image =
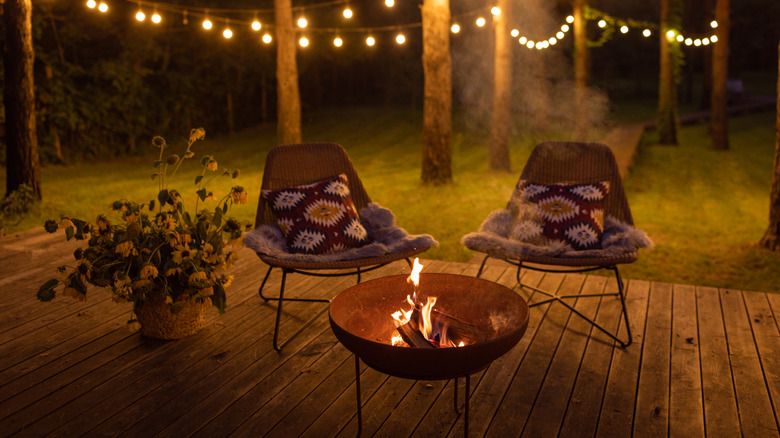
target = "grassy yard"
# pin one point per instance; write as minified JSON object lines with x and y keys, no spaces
{"x":705,"y":210}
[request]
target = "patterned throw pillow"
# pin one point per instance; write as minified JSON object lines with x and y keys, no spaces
{"x":318,"y":218}
{"x":572,"y":213}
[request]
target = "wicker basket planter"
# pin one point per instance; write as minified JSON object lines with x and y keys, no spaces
{"x":159,"y":322}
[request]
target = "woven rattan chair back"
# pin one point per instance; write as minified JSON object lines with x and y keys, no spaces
{"x":296,"y":164}
{"x":575,"y":162}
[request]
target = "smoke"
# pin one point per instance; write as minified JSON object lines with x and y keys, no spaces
{"x":543,"y":80}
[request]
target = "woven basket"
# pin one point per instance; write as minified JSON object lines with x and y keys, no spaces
{"x":158,"y":322}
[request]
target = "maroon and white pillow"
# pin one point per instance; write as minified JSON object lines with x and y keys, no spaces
{"x":571,"y":213}
{"x":318,"y":218}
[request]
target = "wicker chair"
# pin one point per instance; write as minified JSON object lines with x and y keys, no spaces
{"x":298,"y":164}
{"x":572,"y":162}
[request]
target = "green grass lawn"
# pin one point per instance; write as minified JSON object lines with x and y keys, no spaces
{"x":704,"y":209}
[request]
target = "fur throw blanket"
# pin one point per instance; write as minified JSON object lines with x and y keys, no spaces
{"x":495,"y":239}
{"x":378,"y":221}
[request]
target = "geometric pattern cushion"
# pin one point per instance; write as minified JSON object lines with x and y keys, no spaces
{"x":572,"y":213}
{"x":318,"y":218}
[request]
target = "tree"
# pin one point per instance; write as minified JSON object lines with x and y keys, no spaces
{"x":22,"y":162}
{"x":771,"y":238}
{"x":437,"y":103}
{"x":671,"y":59}
{"x":719,"y":133}
{"x":502,"y":90}
{"x":581,"y":64}
{"x":288,"y":125}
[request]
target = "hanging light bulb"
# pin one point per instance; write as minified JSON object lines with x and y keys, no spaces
{"x":347,"y":13}
{"x":389,"y":3}
{"x":697,"y":42}
{"x":227,"y":33}
{"x":670,"y":35}
{"x":713,"y":24}
{"x":102,"y":7}
{"x":302,"y":23}
{"x":514,"y":33}
{"x":646,"y":33}
{"x":624,"y":29}
{"x":140,"y":16}
{"x":455,"y":28}
{"x":560,"y":35}
{"x":338,"y":42}
{"x":267,"y":38}
{"x":156,"y":18}
{"x":530,"y":44}
{"x":714,"y":39}
{"x":400,"y":38}
{"x":256,"y":24}
{"x":570,"y":19}
{"x":602,"y":24}
{"x":480,"y":21}
{"x":680,"y":38}
{"x":688,"y":41}
{"x":496,"y":11}
{"x":565,"y":28}
{"x":705,"y":41}
{"x":91,"y":4}
{"x":207,"y":24}
{"x":523,"y":40}
{"x":304,"y":42}
{"x":370,"y":41}
{"x":552,"y":41}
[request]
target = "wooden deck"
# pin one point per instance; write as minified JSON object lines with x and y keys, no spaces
{"x":705,"y":362}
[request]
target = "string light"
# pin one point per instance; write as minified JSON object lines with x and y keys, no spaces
{"x":480,"y":21}
{"x":267,"y":38}
{"x":680,"y":38}
{"x":304,"y":42}
{"x":552,"y":40}
{"x":713,"y":24}
{"x":91,"y":4}
{"x":227,"y":33}
{"x":140,"y":16}
{"x":624,"y":29}
{"x":389,"y":3}
{"x":523,"y":40}
{"x":514,"y":33}
{"x":455,"y":28}
{"x":400,"y":38}
{"x":102,"y":7}
{"x":207,"y":24}
{"x":646,"y":33}
{"x":560,"y":35}
{"x":570,"y":19}
{"x":370,"y":41}
{"x":302,"y":23}
{"x":338,"y":42}
{"x":256,"y":26}
{"x":714,"y":38}
{"x":670,"y":35}
{"x":602,"y":24}
{"x":156,"y":18}
{"x":530,"y":44}
{"x":347,"y":13}
{"x":496,"y":11}
{"x":565,"y":28}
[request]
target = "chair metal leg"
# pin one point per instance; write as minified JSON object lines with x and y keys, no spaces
{"x":559,"y":298}
{"x":359,"y":404}
{"x":464,"y":408}
{"x":482,"y":266}
{"x":277,"y":346}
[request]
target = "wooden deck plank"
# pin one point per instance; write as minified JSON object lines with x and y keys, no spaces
{"x":652,"y":401}
{"x":518,"y":399}
{"x":767,"y":337}
{"x":617,"y":408}
{"x":582,"y":413}
{"x":686,"y":410}
{"x":720,"y":402}
{"x":755,"y":409}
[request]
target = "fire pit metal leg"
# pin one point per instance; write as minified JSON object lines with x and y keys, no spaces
{"x":464,"y":408}
{"x":359,"y":404}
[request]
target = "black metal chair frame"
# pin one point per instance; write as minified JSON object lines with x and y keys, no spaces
{"x":281,"y":298}
{"x":559,"y":298}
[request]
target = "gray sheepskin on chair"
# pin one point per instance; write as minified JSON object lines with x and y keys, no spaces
{"x":495,"y":238}
{"x":378,"y":221}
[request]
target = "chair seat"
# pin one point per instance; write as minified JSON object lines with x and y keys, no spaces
{"x":579,"y":261}
{"x":340,"y":264}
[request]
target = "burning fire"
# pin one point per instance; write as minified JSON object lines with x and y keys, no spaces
{"x":419,"y":316}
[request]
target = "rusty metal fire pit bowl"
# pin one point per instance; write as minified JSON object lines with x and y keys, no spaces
{"x":361,"y":320}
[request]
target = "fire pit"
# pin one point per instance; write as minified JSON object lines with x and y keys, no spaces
{"x":494,"y":316}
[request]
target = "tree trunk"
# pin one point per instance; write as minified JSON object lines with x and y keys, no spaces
{"x":720,"y":72}
{"x":667,"y":89}
{"x":581,"y":67}
{"x":437,"y":105}
{"x":771,"y":238}
{"x":288,"y":126}
{"x":22,"y":161}
{"x":502,"y":90}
